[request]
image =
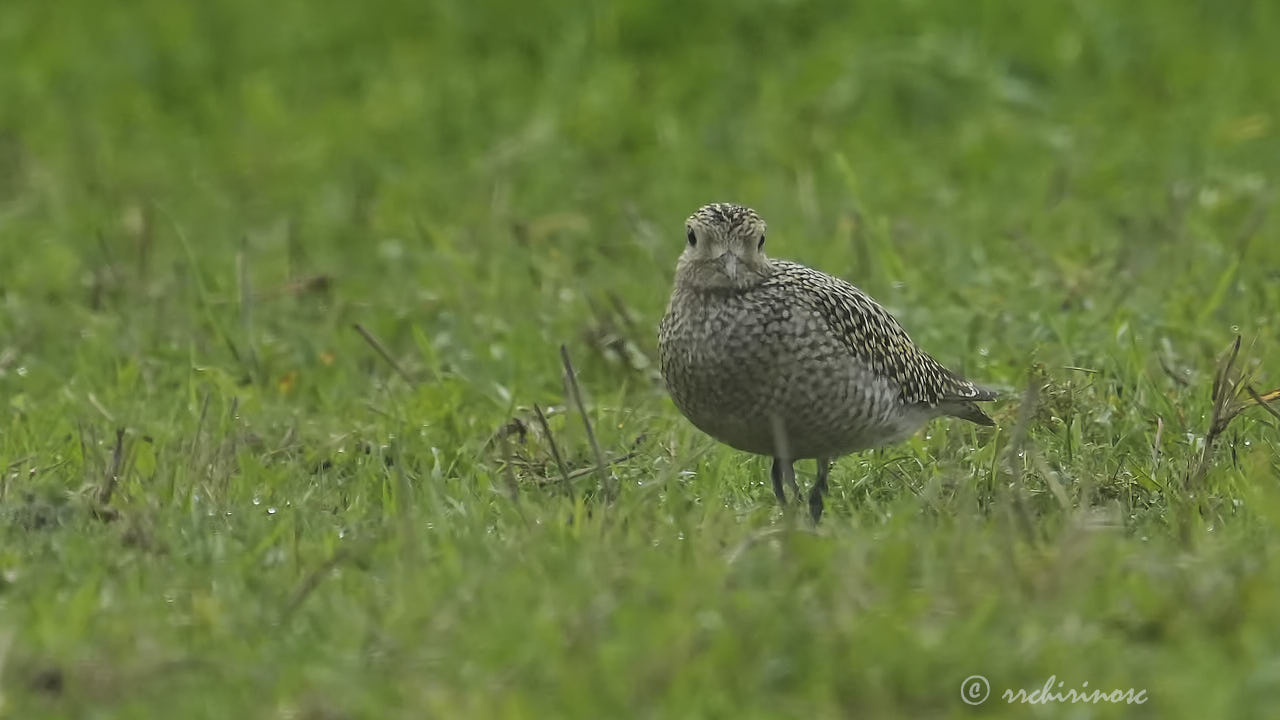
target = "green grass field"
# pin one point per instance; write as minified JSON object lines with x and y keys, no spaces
{"x":217,"y":499}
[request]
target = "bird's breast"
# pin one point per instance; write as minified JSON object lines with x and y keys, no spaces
{"x":743,"y":371}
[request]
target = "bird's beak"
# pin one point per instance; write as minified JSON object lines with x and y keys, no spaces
{"x":730,"y":262}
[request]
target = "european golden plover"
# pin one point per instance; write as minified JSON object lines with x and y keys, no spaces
{"x":778,"y":359}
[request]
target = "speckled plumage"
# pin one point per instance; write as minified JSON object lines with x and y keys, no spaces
{"x":775,"y":358}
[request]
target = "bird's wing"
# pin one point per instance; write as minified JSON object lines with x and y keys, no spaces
{"x":875,"y":337}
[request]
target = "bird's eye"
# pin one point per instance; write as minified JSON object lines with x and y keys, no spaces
{"x":693,"y":239}
{"x":761,"y":245}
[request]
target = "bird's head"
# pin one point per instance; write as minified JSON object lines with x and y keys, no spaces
{"x":724,"y":248}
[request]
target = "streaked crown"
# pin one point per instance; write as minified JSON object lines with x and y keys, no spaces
{"x":729,"y":216}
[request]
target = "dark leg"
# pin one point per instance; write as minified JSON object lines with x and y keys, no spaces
{"x":781,"y":468}
{"x":819,"y":488}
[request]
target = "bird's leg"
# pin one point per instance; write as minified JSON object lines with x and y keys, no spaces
{"x":782,"y":464}
{"x":782,"y":468}
{"x":791,"y":480}
{"x":819,"y":488}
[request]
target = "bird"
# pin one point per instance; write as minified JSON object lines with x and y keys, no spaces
{"x":775,"y":358}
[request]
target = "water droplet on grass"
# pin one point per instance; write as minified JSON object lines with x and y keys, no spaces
{"x":391,"y":249}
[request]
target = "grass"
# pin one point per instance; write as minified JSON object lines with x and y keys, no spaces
{"x":218,"y":499}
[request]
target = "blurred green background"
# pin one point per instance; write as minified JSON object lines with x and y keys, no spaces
{"x":199,"y":200}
